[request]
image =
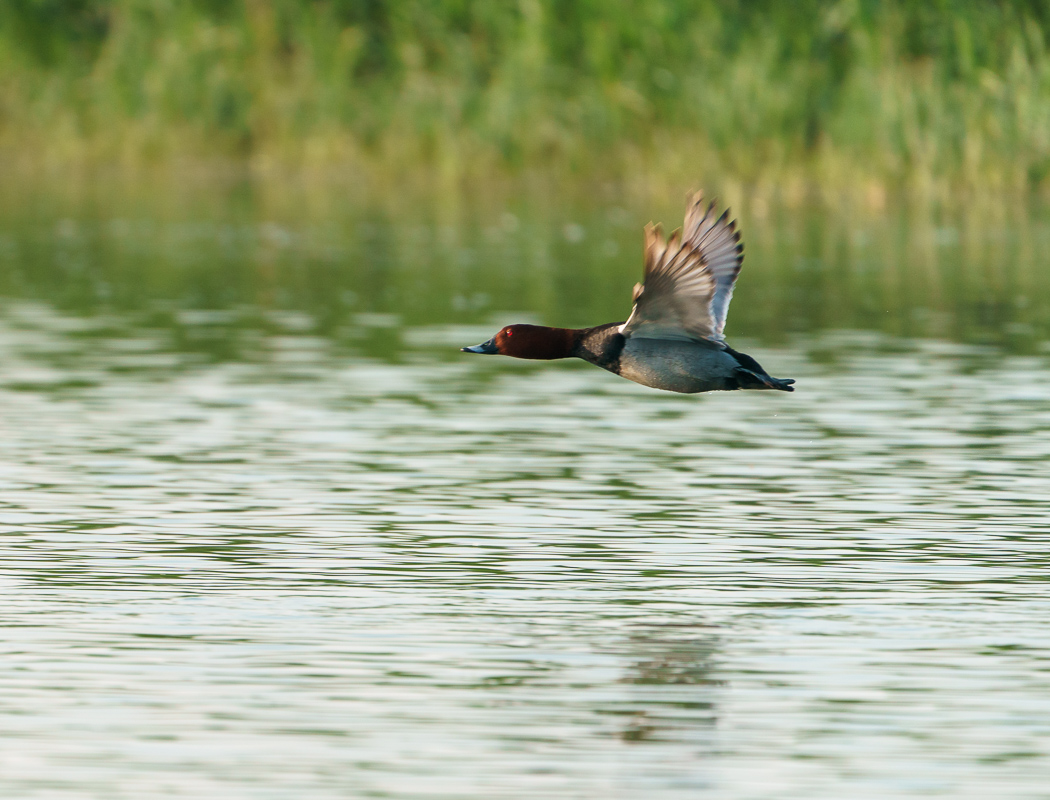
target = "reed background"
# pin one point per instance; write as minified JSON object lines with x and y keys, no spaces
{"x":785,"y":102}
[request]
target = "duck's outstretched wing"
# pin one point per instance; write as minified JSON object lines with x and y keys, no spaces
{"x":688,"y":279}
{"x":718,"y":241}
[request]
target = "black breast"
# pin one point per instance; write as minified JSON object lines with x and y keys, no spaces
{"x":601,"y":346}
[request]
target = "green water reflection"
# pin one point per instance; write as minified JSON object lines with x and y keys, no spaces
{"x":213,"y":269}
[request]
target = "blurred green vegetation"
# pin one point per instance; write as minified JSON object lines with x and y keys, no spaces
{"x":944,"y":99}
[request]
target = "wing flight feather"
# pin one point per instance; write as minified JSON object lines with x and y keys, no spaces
{"x":689,"y":278}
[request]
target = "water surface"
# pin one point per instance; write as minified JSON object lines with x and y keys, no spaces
{"x":268,"y":534}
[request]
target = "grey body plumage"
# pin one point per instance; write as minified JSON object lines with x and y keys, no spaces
{"x":676,"y":366}
{"x":673,"y":365}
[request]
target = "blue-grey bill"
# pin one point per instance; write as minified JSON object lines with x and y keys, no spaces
{"x":488,"y":348}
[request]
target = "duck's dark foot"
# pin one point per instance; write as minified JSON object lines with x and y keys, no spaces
{"x":754,"y":380}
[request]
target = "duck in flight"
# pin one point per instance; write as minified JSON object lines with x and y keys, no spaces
{"x":673,"y":338}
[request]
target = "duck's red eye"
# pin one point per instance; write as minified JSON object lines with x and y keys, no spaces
{"x":509,"y":332}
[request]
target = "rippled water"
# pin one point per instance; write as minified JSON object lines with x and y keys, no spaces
{"x":302,"y":568}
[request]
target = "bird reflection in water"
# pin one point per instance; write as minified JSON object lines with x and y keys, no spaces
{"x":673,"y":674}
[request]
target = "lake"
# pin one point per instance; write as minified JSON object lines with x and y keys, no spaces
{"x":269,"y":534}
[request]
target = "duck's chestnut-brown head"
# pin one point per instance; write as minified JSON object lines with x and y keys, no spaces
{"x":527,"y":341}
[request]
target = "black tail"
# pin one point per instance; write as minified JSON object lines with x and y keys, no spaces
{"x":746,"y":379}
{"x":751,"y":375}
